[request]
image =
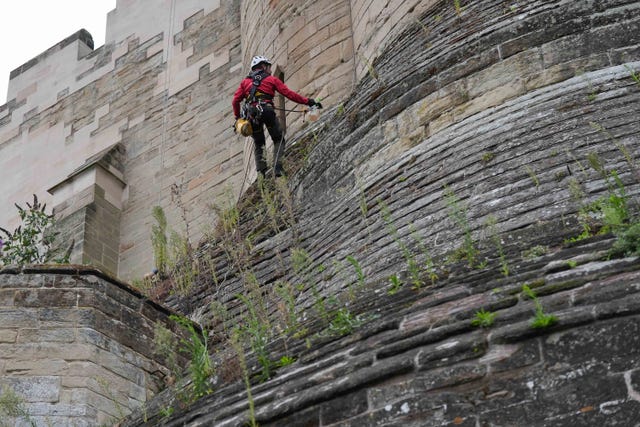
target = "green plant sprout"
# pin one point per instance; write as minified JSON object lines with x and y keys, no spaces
{"x":541,"y":319}
{"x":484,"y":319}
{"x":619,"y":145}
{"x":182,"y":264}
{"x":13,"y":405}
{"x":535,"y":252}
{"x":611,"y":211}
{"x":285,"y":361}
{"x":458,"y":7}
{"x":107,"y":390}
{"x":159,"y":239}
{"x":166,"y":411}
{"x":584,"y":218}
{"x":256,"y":332}
{"x":237,"y":346}
{"x":359,"y":272}
{"x":458,"y":213}
{"x":300,"y":260}
{"x":429,"y":265}
{"x":533,"y":176}
{"x":396,"y":284}
{"x":412,"y":264}
{"x":634,"y":75}
{"x":425,"y":30}
{"x":286,"y":292}
{"x":196,"y":349}
{"x":487,"y":156}
{"x":32,"y":241}
{"x":344,"y":323}
{"x":372,"y":71}
{"x":495,"y":238}
{"x":592,"y":91}
{"x":627,"y":243}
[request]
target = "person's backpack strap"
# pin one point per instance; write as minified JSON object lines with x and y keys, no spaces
{"x":257,"y":79}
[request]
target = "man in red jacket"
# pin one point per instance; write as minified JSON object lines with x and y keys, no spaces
{"x":258,"y":89}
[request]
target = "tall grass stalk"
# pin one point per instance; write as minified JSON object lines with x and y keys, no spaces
{"x":458,"y":213}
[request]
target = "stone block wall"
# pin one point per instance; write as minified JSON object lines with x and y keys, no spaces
{"x":503,"y":112}
{"x":419,"y":361}
{"x":182,"y":153}
{"x":160,"y":88}
{"x":76,"y":347}
{"x":309,"y":42}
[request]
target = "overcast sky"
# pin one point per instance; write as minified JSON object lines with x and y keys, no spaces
{"x":29,"y":27}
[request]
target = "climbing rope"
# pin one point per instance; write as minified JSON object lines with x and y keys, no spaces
{"x":165,"y":99}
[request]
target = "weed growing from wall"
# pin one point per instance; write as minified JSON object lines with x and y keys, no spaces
{"x":364,"y":209}
{"x":360,"y":274}
{"x":497,"y":242}
{"x":269,"y":204}
{"x":429,"y":265}
{"x":484,"y":319}
{"x":372,"y":71}
{"x":257,"y":333}
{"x":458,"y":213}
{"x":610,"y":213}
{"x":108,"y":391}
{"x":173,"y":255}
{"x":592,"y":91}
{"x":182,"y":263}
{"x":12,"y":406}
{"x":620,"y":146}
{"x":413,"y":266}
{"x":458,"y":7}
{"x":628,"y":242}
{"x":166,"y":411}
{"x":287,"y":306}
{"x":541,"y":319}
{"x":237,"y":346}
{"x":634,"y":75}
{"x":535,"y":252}
{"x":196,"y":349}
{"x":533,"y":176}
{"x":159,"y":239}
{"x":584,"y":218}
{"x":613,"y":208}
{"x":32,"y":241}
{"x":300,"y":260}
{"x":396,"y":284}
{"x":344,"y":323}
{"x":165,"y":345}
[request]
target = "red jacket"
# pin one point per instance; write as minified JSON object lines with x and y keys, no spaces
{"x":268,"y":86}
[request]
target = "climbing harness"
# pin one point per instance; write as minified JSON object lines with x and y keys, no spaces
{"x":252,"y":107}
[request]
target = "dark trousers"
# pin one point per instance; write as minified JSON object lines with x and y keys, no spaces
{"x":268,"y":118}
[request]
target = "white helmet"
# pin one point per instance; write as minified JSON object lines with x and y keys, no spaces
{"x":258,"y":60}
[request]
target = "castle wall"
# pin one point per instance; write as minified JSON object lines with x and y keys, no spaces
{"x":76,"y":347}
{"x":310,"y":42}
{"x":161,"y":89}
{"x":482,"y":127}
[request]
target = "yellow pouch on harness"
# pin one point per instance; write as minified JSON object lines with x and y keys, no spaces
{"x":243,"y":127}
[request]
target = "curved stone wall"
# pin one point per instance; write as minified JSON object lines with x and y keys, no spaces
{"x":512,"y":109}
{"x":518,"y":111}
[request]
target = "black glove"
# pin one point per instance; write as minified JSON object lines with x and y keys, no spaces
{"x":234,"y":125}
{"x":312,"y":103}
